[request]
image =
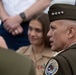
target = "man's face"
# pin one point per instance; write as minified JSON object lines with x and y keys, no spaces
{"x":58,"y":35}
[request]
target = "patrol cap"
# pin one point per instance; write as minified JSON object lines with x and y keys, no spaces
{"x":62,"y":11}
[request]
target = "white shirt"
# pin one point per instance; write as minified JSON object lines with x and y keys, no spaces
{"x":0,"y":22}
{"x":72,"y":2}
{"x":14,"y":7}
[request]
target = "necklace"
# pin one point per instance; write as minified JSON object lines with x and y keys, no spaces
{"x":38,"y":66}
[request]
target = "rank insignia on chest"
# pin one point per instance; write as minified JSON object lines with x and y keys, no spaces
{"x":52,"y":67}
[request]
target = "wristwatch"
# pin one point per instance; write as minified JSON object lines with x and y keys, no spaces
{"x":23,"y":16}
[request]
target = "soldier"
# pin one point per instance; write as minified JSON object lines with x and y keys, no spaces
{"x":12,"y":63}
{"x":62,"y":37}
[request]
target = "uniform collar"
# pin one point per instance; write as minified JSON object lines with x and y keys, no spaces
{"x":29,"y":50}
{"x":47,"y":52}
{"x":72,"y":46}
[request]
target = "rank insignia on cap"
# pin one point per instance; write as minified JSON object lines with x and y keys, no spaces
{"x":62,"y":11}
{"x":52,"y":67}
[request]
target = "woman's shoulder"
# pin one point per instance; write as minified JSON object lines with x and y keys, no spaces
{"x":22,"y":49}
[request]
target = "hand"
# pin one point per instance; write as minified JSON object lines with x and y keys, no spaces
{"x":12,"y":23}
{"x":17,"y":31}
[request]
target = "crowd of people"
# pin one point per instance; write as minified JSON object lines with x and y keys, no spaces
{"x":38,"y":37}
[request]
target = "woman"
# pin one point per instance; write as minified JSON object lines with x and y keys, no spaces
{"x":39,"y":50}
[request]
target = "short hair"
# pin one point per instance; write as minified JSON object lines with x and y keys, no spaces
{"x":44,"y":20}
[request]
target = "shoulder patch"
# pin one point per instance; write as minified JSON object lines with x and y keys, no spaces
{"x":52,"y":67}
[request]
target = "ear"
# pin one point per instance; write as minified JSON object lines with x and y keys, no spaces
{"x":71,"y":31}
